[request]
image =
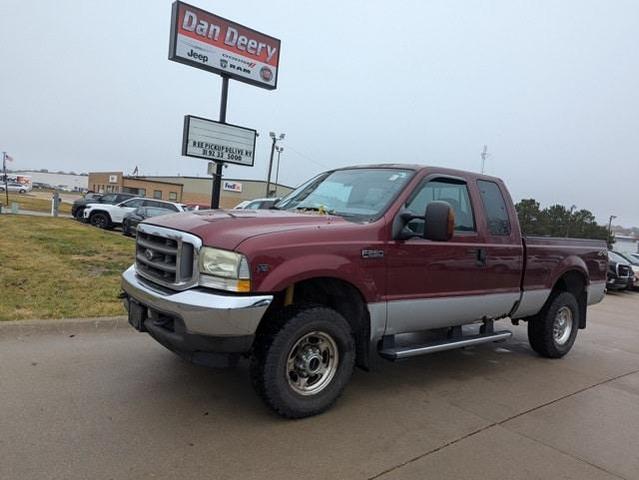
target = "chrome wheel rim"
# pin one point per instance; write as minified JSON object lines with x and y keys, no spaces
{"x":312,"y":363}
{"x":562,"y":327}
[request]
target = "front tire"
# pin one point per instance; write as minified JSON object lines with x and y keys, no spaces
{"x":302,"y":360}
{"x":552,"y":332}
{"x":100,"y":220}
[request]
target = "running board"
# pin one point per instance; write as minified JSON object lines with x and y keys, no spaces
{"x":399,"y":353}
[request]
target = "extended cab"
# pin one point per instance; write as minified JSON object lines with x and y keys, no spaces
{"x":357,"y":262}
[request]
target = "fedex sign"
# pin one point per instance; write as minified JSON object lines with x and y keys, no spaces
{"x":232,"y":186}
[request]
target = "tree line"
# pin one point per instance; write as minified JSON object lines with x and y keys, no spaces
{"x":559,"y":221}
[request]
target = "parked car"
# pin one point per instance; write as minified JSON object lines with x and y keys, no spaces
{"x":620,"y":275}
{"x":241,"y":205}
{"x":14,"y":187}
{"x":634,"y":265}
{"x":108,"y":216}
{"x":257,"y":204}
{"x":131,"y":220}
{"x":345,"y":267}
{"x":635,"y":256}
{"x":92,"y":196}
{"x":196,"y":206}
{"x":77,"y":209}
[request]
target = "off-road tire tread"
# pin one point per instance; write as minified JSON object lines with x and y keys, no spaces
{"x":286,"y":322}
{"x":540,"y":331}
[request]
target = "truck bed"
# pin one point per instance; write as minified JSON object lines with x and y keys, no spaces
{"x":548,"y":258}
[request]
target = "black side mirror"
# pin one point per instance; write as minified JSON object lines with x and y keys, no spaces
{"x":399,"y":223}
{"x":440,"y":222}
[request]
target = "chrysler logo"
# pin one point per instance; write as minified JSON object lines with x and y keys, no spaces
{"x":266,"y":74}
{"x":149,"y":254}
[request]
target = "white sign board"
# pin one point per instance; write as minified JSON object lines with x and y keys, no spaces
{"x":220,"y":142}
{"x":232,"y":186}
{"x":113,"y":179}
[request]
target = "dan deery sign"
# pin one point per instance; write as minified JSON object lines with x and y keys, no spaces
{"x":204,"y":40}
{"x":217,"y":141}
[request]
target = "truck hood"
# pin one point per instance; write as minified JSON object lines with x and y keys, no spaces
{"x":226,"y":229}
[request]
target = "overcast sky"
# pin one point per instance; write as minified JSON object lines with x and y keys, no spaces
{"x":552,"y":87}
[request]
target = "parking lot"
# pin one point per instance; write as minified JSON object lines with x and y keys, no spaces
{"x":94,"y":399}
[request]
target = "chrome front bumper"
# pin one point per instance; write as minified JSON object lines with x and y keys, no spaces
{"x":202,"y":311}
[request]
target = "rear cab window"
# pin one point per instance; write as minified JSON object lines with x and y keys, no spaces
{"x":135,"y":203}
{"x":497,"y":218}
{"x":166,"y":206}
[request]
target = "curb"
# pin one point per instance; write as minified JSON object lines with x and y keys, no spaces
{"x":63,"y":326}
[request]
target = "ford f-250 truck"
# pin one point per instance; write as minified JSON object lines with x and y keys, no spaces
{"x":350,"y":265}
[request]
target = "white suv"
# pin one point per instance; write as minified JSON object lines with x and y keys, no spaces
{"x":108,"y":216}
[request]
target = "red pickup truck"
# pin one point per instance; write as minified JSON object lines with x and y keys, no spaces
{"x":382,"y":260}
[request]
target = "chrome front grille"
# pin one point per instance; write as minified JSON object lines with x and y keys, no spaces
{"x":167,"y":257}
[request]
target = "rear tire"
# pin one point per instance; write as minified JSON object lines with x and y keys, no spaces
{"x":302,"y":360}
{"x":552,"y":332}
{"x":100,"y":220}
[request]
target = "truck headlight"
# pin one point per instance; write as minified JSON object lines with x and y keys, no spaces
{"x":224,"y":270}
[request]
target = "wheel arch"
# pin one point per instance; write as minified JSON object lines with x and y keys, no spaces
{"x":93,"y":212}
{"x":574,"y":281}
{"x":336,"y":293}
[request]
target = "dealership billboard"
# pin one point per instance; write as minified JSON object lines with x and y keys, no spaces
{"x":204,"y":40}
{"x":220,"y":142}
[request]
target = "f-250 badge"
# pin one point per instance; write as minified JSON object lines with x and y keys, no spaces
{"x":372,"y":253}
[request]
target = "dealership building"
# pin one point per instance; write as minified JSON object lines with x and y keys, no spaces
{"x":182,"y":189}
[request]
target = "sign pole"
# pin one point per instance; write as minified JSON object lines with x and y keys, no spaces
{"x":217,"y":176}
{"x":4,"y":172}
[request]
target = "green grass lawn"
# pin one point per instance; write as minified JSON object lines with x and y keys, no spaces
{"x":28,"y":202}
{"x":59,"y":268}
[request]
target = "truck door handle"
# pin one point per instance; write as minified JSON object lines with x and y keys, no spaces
{"x":480,"y":256}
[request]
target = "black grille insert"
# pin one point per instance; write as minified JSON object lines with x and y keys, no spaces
{"x":167,"y":260}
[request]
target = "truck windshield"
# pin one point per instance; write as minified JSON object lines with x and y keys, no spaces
{"x":361,"y":193}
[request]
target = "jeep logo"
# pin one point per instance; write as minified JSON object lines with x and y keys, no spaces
{"x":197,"y":56}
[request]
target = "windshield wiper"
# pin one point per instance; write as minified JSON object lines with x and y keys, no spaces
{"x":326,"y":211}
{"x":312,"y":209}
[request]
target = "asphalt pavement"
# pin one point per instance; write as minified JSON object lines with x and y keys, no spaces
{"x":97,"y":400}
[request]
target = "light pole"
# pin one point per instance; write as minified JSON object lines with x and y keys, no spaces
{"x":277,"y":169}
{"x":612,"y":217}
{"x":275,"y":139}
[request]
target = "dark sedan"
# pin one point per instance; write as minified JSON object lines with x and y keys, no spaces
{"x":130,"y":222}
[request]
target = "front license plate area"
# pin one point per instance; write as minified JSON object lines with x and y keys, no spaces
{"x":137,"y":315}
